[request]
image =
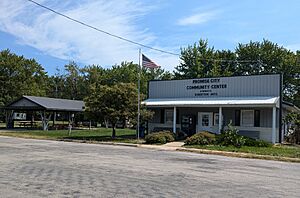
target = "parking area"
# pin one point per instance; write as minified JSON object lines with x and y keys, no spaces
{"x":38,"y":168}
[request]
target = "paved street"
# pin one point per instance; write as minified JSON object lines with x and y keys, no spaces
{"x":37,"y":168}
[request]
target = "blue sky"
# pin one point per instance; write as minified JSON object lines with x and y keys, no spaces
{"x":166,"y":24}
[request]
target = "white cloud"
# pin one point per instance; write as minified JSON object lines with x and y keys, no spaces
{"x":197,"y":19}
{"x":293,"y":47}
{"x":61,"y":38}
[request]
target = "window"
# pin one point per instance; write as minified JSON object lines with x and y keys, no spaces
{"x":247,"y":118}
{"x":257,"y":118}
{"x":162,"y":116}
{"x":216,"y":118}
{"x":169,"y":115}
{"x":205,"y":120}
{"x":237,"y":118}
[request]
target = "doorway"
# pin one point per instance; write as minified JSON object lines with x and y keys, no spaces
{"x":205,"y":121}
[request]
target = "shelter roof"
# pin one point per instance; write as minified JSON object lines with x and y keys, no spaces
{"x":45,"y":103}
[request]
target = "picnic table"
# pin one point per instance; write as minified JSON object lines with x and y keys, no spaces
{"x":27,"y":124}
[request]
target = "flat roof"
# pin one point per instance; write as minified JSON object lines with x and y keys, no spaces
{"x":213,"y":102}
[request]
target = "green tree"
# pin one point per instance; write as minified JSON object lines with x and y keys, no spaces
{"x":75,"y":88}
{"x":269,"y":58}
{"x":70,"y":85}
{"x":56,"y":85}
{"x":113,"y":103}
{"x":196,"y":61}
{"x":20,"y":76}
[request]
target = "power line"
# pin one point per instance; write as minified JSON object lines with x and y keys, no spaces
{"x":105,"y":32}
{"x":131,"y":41}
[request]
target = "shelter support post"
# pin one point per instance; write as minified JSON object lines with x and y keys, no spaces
{"x":9,"y":119}
{"x":274,"y":125}
{"x":174,"y":120}
{"x":54,"y":118}
{"x":220,"y":119}
{"x":6,"y":119}
{"x":70,"y":125}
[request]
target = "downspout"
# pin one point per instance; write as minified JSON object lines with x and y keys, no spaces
{"x":280,"y":111}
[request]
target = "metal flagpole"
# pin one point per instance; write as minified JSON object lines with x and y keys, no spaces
{"x":139,"y":87}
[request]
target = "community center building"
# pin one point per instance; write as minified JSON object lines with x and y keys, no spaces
{"x":252,"y":104}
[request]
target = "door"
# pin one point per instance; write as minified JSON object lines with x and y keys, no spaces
{"x":205,"y":121}
{"x":188,"y":124}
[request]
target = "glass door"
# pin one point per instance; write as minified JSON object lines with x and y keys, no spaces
{"x":205,"y":121}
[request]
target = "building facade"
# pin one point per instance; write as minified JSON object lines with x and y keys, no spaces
{"x":252,"y":104}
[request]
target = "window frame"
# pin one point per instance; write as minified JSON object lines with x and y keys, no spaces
{"x":172,"y":118}
{"x":241,"y":119}
{"x":215,"y":116}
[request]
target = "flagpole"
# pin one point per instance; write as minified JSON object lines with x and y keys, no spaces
{"x":139,"y":90}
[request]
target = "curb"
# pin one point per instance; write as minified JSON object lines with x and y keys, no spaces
{"x":179,"y":149}
{"x":239,"y":155}
{"x":105,"y":143}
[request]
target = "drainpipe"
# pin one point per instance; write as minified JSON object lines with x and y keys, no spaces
{"x":174,"y":120}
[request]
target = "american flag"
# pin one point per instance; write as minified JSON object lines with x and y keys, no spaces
{"x":146,"y":62}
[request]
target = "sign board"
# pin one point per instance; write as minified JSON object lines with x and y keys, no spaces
{"x":237,"y":86}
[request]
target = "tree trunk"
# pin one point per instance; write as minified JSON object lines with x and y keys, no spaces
{"x":113,"y":135}
{"x":106,"y":123}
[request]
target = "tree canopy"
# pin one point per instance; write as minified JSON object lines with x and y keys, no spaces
{"x":253,"y":58}
{"x":114,"y":103}
{"x":20,"y":76}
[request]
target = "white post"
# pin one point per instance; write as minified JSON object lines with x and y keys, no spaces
{"x":274,"y":125}
{"x":139,"y":87}
{"x":174,"y":120}
{"x":70,"y":125}
{"x":220,"y":119}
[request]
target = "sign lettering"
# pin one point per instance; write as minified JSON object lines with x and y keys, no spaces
{"x":206,"y":87}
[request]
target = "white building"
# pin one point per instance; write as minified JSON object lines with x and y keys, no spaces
{"x":253,"y":104}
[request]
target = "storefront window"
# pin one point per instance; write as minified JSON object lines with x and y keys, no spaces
{"x":205,"y":120}
{"x":216,"y":118}
{"x":247,"y":118}
{"x":169,"y":116}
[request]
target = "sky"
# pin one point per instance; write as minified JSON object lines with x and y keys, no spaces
{"x":169,"y":25}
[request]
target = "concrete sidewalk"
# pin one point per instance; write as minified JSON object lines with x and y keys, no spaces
{"x":171,"y":146}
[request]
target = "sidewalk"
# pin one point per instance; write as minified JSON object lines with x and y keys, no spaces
{"x":171,"y":146}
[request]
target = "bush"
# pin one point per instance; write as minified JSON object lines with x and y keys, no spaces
{"x":256,"y":143}
{"x":180,"y":135}
{"x":230,"y":137}
{"x":159,"y":137}
{"x":201,"y":138}
{"x":155,"y":139}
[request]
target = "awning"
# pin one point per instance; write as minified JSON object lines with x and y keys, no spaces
{"x":213,"y":102}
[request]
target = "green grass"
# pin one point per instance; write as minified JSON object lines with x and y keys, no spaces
{"x":278,"y":151}
{"x":101,"y":134}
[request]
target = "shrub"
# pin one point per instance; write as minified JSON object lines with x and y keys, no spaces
{"x":201,"y":138}
{"x":159,"y":137}
{"x":230,"y":137}
{"x":155,"y":139}
{"x":180,"y":135}
{"x":256,"y":143}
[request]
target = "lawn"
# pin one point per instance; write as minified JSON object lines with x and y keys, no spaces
{"x":100,"y":134}
{"x":278,"y":151}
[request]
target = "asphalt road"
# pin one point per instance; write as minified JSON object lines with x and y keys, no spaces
{"x":37,"y":168}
